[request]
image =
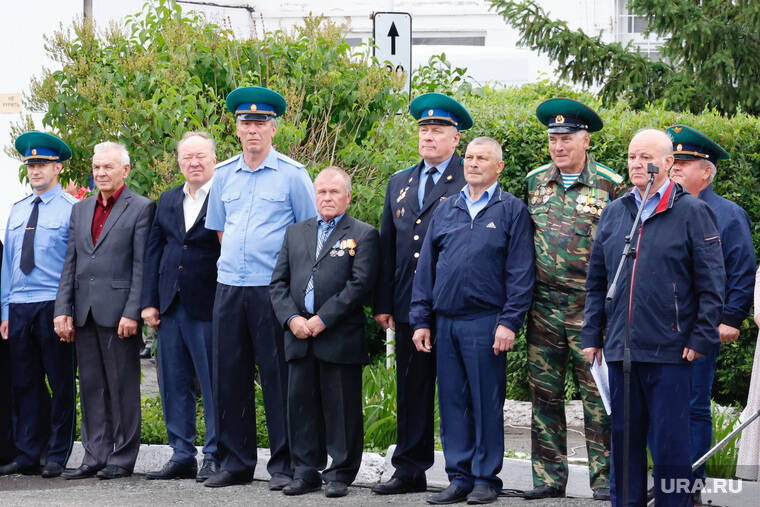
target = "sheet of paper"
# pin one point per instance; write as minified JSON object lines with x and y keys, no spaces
{"x":602,"y":379}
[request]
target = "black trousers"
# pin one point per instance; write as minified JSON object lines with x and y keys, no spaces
{"x":43,"y":424}
{"x":7,"y":449}
{"x":245,"y":332}
{"x":325,"y":417}
{"x":109,"y":386}
{"x":415,"y":386}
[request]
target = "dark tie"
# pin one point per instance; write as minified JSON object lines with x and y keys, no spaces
{"x":429,"y":184}
{"x":27,"y":247}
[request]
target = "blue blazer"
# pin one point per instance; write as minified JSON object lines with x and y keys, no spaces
{"x":180,"y":264}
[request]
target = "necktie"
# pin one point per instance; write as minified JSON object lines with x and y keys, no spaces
{"x":429,"y":183}
{"x":27,"y":247}
{"x":320,"y":243}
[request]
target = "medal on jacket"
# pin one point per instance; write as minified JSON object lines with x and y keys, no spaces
{"x":402,"y":194}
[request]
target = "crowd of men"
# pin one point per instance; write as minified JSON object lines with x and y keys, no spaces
{"x":249,"y":264}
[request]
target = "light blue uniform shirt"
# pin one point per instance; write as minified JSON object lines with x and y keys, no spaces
{"x":308,"y":300}
{"x":475,"y":207}
{"x":652,"y":202}
{"x":51,"y":238}
{"x":253,"y":208}
{"x":436,"y":176}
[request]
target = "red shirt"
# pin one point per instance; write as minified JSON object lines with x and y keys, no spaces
{"x":101,"y":213}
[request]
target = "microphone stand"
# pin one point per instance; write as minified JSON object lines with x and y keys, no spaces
{"x":629,"y":253}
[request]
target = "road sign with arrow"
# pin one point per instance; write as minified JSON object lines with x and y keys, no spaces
{"x":392,"y":34}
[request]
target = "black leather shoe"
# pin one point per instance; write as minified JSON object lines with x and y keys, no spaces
{"x":208,"y":468}
{"x":278,"y":482}
{"x":336,"y":489}
{"x":113,"y":472}
{"x":15,"y":468}
{"x":83,"y":472}
{"x":226,"y":478}
{"x":52,"y":469}
{"x":145,"y":353}
{"x":400,"y":486}
{"x":602,"y":494}
{"x":174,"y":470}
{"x":452,"y":494}
{"x":543,"y":491}
{"x":482,"y":494}
{"x":300,"y":487}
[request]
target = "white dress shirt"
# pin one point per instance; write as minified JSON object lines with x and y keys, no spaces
{"x":191,"y":206}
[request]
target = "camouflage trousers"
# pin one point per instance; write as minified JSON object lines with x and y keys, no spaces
{"x":553,"y":336}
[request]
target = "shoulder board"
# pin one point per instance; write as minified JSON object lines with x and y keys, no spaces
{"x":608,"y":173}
{"x":231,"y":159}
{"x":22,"y":199}
{"x":290,"y":161}
{"x":68,"y":197}
{"x":538,"y":170}
{"x":405,"y":170}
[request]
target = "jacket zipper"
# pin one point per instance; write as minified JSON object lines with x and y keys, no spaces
{"x":675,"y":298}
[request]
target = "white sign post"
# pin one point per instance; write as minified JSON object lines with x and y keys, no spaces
{"x":392,"y":35}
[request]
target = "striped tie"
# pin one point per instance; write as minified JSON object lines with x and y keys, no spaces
{"x":325,"y":229}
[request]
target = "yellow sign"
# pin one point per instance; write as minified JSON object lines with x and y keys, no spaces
{"x":10,"y":103}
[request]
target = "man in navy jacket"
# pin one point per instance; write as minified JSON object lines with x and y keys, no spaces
{"x":473,"y":285}
{"x":178,"y":293}
{"x":669,"y":299}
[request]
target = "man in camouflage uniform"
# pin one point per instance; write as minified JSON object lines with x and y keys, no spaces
{"x":565,"y":199}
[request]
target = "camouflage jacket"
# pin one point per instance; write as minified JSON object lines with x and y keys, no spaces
{"x":565,"y":221}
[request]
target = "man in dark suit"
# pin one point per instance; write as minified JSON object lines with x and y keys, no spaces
{"x":410,"y":200}
{"x":324,"y":274}
{"x":102,"y":279}
{"x":178,"y":293}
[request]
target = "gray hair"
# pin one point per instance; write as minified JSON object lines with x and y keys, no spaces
{"x":713,"y":169}
{"x":197,"y":133}
{"x":110,"y":145}
{"x":493,"y":143}
{"x":333,"y":170}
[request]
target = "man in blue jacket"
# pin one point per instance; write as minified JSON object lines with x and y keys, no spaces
{"x":669,"y":299}
{"x":696,"y":156}
{"x":473,"y":285}
{"x":178,"y":298}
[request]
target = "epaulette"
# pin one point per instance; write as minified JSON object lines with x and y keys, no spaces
{"x":538,"y":170}
{"x":220,"y":164}
{"x":608,"y":173}
{"x":404,"y":170}
{"x":69,"y":197}
{"x":290,"y":161}
{"x":22,"y":199}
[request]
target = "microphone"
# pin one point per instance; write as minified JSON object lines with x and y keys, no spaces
{"x":652,"y":169}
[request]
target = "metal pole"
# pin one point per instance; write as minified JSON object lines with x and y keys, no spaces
{"x":87,"y":8}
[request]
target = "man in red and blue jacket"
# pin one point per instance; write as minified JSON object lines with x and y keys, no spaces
{"x":669,"y":300}
{"x":473,"y":285}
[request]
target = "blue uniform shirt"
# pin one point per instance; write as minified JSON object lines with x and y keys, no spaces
{"x":253,"y":208}
{"x":50,"y":242}
{"x":653,"y":200}
{"x":424,"y":176}
{"x":475,"y":207}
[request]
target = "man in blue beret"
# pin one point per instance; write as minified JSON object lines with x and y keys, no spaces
{"x":254,"y":197}
{"x":694,"y":168}
{"x":36,"y":240}
{"x":412,"y":196}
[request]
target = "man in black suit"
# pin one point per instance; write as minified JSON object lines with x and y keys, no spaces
{"x":324,"y":275}
{"x":99,"y":293}
{"x":412,"y":196}
{"x":178,"y":294}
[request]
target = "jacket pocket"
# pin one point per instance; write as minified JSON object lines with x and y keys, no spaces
{"x":121,"y":284}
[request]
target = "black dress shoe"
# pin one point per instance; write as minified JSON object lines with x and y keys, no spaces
{"x":602,"y":494}
{"x":174,"y":470}
{"x":226,"y":478}
{"x":83,"y":472}
{"x":113,"y":472}
{"x":52,"y":469}
{"x":278,"y":482}
{"x":300,"y":487}
{"x":15,"y":468}
{"x":145,"y":353}
{"x":336,"y":489}
{"x":543,"y":491}
{"x":208,"y":468}
{"x":452,"y":494}
{"x":400,"y":486}
{"x":482,"y":494}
